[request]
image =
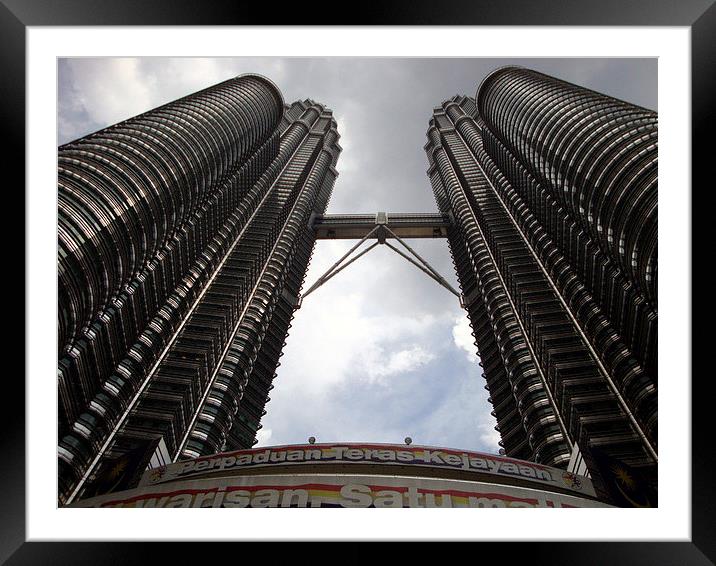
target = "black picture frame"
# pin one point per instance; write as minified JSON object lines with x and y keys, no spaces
{"x":698,"y":15}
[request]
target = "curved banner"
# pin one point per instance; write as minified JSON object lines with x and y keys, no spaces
{"x":377,"y":454}
{"x":321,"y":490}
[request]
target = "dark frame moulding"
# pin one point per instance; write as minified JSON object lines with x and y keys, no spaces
{"x":699,"y":15}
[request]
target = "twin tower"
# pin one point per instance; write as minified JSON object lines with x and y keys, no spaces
{"x":185,"y":234}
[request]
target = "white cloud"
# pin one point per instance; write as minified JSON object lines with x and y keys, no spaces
{"x":335,"y":328}
{"x":263,"y":436}
{"x":401,"y":361}
{"x":463,"y":338}
{"x":488,"y":435}
{"x":111,"y":90}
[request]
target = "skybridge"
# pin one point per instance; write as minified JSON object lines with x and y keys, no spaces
{"x":393,"y":225}
{"x":381,"y":227}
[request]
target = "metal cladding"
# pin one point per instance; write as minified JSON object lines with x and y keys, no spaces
{"x":138,"y":202}
{"x":552,"y":191}
{"x":183,"y":243}
{"x":586,"y":165}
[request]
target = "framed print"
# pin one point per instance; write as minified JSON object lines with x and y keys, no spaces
{"x":75,"y":68}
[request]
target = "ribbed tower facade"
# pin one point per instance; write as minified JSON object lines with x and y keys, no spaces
{"x":183,"y":243}
{"x":552,"y":193}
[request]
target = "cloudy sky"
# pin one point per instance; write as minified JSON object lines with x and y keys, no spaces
{"x":380,"y":352}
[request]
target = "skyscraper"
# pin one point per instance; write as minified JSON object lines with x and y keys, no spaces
{"x":183,"y":240}
{"x":185,"y":234}
{"x":552,"y":194}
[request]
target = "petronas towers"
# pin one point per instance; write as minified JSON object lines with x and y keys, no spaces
{"x":185,"y":233}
